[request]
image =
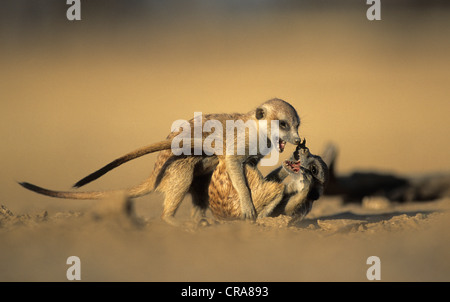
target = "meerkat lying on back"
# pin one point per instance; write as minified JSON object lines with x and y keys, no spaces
{"x":175,"y":176}
{"x":305,"y":174}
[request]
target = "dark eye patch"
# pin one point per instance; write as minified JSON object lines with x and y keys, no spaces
{"x":283,"y":125}
{"x":314,"y":170}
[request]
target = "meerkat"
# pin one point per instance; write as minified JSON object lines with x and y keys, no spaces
{"x":305,"y":176}
{"x":177,"y":175}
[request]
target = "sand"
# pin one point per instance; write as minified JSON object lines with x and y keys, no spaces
{"x":332,"y":244}
{"x":75,"y":96}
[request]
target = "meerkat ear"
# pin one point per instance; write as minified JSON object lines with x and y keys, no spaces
{"x":260,"y":113}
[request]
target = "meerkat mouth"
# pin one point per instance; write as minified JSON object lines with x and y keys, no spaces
{"x":293,"y":166}
{"x":281,"y":145}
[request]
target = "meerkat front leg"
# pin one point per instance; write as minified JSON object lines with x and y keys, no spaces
{"x":235,"y":169}
{"x":277,"y":175}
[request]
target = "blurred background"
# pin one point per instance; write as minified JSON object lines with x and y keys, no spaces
{"x":77,"y":94}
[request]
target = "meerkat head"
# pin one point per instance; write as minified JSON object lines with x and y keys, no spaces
{"x":288,"y":121}
{"x":308,"y":175}
{"x":307,"y":166}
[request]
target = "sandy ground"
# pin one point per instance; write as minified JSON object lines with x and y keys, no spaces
{"x":332,"y":244}
{"x":72,"y":102}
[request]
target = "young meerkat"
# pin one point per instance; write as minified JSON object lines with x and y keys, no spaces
{"x":305,"y":177}
{"x":177,"y":175}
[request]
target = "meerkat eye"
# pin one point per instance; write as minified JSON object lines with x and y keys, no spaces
{"x":314,"y":170}
{"x":283,"y":125}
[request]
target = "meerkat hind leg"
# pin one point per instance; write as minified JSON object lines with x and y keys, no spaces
{"x":175,"y":189}
{"x":267,"y":198}
{"x":266,"y":195}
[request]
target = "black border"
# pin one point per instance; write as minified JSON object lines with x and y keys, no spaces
{"x":151,"y":291}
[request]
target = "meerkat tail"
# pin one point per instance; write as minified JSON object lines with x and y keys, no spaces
{"x":136,"y":191}
{"x":163,"y":145}
{"x":160,"y":146}
{"x":67,"y":195}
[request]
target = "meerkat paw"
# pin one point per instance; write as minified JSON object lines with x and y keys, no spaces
{"x":265,"y":213}
{"x":171,"y":221}
{"x":249,"y":213}
{"x":206,"y":222}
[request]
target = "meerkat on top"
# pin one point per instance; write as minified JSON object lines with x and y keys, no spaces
{"x":175,"y":176}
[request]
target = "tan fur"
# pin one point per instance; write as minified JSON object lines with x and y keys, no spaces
{"x":270,"y":196}
{"x":176,"y":176}
{"x":224,"y":200}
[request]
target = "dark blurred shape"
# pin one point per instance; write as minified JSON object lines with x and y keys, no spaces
{"x":32,"y":12}
{"x":22,"y":19}
{"x":356,"y":186}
